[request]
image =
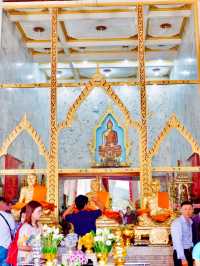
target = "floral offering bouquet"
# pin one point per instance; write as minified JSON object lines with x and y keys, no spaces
{"x":103,"y":243}
{"x":77,"y":258}
{"x":50,"y":239}
{"x":103,"y":240}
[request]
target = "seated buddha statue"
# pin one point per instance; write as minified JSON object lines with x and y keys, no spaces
{"x":110,"y":151}
{"x":33,"y":191}
{"x":97,"y":194}
{"x":152,"y":212}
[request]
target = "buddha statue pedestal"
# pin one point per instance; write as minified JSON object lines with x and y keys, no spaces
{"x":104,"y":221}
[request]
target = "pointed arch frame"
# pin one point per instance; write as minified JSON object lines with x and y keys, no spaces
{"x":173,"y":123}
{"x":24,"y":124}
{"x":98,"y":80}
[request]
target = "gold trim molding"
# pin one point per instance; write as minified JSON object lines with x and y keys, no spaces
{"x":98,"y":80}
{"x":24,"y":124}
{"x":173,"y":122}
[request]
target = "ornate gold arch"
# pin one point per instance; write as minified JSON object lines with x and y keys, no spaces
{"x":173,"y":122}
{"x":98,"y":80}
{"x":24,"y":124}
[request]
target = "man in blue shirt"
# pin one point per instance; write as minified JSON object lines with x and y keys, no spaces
{"x":181,"y":232}
{"x":84,"y":220}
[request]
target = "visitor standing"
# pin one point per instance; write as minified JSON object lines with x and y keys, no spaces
{"x":28,"y":231}
{"x":7,"y":226}
{"x":181,"y":232}
{"x":83,"y":221}
{"x":196,"y":229}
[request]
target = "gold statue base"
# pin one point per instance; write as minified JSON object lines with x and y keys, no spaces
{"x":104,"y":221}
{"x":151,"y":235}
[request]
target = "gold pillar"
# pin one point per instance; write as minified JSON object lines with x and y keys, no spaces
{"x":52,"y":180}
{"x":145,"y":173}
{"x":197,"y":35}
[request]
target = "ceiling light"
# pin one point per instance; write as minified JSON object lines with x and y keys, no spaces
{"x":85,"y":62}
{"x":38,"y":29}
{"x":165,"y":26}
{"x":185,"y":72}
{"x":29,"y":76}
{"x":190,"y":60}
{"x":19,"y":64}
{"x":101,"y":28}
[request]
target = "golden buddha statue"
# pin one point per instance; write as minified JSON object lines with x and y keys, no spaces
{"x":99,"y":194}
{"x":152,"y":211}
{"x":33,"y":191}
{"x":110,"y":151}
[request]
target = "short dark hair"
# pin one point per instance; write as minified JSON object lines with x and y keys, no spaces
{"x":3,"y":199}
{"x":81,"y":201}
{"x":187,"y":202}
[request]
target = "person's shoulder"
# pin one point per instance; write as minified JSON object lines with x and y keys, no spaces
{"x":177,"y":221}
{"x":196,"y":251}
{"x":8,"y":216}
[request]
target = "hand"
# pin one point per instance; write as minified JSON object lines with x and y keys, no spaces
{"x":184,"y":262}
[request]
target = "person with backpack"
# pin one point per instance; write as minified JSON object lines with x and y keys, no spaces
{"x":7,"y":225}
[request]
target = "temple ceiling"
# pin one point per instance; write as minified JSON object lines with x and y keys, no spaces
{"x":107,"y":36}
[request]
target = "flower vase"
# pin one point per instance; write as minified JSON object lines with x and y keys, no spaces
{"x":50,"y":254}
{"x":102,"y":258}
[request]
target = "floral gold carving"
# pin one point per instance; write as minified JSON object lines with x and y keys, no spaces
{"x":52,"y":180}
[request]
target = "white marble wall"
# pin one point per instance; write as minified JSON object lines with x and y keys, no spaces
{"x":16,"y":64}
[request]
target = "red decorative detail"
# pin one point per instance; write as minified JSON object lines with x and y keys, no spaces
{"x":11,"y":181}
{"x":131,"y":190}
{"x":105,"y":183}
{"x":194,"y":159}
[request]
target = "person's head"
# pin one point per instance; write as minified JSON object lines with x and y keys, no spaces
{"x":31,"y":180}
{"x":22,"y":215}
{"x":33,"y":212}
{"x":3,"y":204}
{"x":81,"y":202}
{"x":187,"y":209}
{"x":128,"y":210}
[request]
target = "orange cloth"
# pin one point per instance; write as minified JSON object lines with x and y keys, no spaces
{"x":163,"y":200}
{"x":39,"y":195}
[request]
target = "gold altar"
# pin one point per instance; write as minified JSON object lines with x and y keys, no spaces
{"x":110,"y":148}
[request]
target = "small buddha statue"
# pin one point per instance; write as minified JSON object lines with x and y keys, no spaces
{"x":33,"y":191}
{"x":110,"y":151}
{"x":104,"y":197}
{"x":109,"y":217}
{"x":98,"y":193}
{"x":152,"y":212}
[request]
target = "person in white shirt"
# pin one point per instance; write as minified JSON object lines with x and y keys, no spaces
{"x":7,"y":225}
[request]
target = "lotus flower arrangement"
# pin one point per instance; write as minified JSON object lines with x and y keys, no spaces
{"x":103,"y":243}
{"x":51,"y":239}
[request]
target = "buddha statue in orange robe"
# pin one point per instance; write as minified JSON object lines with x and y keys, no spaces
{"x":102,"y":196}
{"x":33,"y":191}
{"x":153,"y":211}
{"x":110,"y":151}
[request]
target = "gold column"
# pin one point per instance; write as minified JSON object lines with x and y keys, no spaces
{"x":145,"y":173}
{"x":52,"y":183}
{"x":197,"y":35}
